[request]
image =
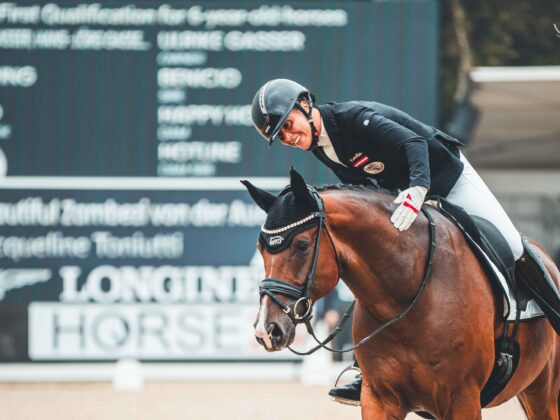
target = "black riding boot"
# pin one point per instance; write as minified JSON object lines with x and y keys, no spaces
{"x":531,"y":272}
{"x":348,"y":394}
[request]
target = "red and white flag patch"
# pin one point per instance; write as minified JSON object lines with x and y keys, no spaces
{"x":360,"y":162}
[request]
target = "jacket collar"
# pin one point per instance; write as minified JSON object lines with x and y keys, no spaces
{"x":329,"y":124}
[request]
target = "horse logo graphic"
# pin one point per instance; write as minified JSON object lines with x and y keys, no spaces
{"x":276,"y":240}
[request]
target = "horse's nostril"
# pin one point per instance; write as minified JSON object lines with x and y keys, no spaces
{"x":275,"y":333}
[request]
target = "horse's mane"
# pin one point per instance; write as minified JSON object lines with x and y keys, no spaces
{"x":354,"y":187}
{"x":370,"y":195}
{"x":287,"y":210}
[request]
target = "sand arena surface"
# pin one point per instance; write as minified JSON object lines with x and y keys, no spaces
{"x":185,"y":400}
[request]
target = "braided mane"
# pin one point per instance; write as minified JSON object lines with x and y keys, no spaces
{"x":355,"y":187}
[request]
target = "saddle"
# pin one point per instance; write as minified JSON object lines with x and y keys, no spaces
{"x":489,"y":246}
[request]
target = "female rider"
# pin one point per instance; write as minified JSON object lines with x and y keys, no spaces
{"x":360,"y":141}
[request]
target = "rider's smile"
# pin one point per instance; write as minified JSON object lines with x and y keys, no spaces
{"x":296,"y":131}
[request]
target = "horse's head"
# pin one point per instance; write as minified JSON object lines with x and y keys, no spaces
{"x":300,"y":260}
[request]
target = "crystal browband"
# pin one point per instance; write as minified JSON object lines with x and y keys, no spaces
{"x":290,"y":226}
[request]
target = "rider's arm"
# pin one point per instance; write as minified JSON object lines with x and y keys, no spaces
{"x":391,"y":137}
{"x":396,"y":141}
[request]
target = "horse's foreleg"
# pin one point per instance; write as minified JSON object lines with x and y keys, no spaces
{"x":374,"y":409}
{"x":465,"y":407}
{"x":540,"y":399}
{"x":539,"y":408}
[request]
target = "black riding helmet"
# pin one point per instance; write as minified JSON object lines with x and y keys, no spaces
{"x":272,"y":104}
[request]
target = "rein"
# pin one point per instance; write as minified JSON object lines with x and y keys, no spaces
{"x":402,"y":314}
{"x":272,"y":286}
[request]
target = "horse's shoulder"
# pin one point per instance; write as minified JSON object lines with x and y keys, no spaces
{"x":443,"y":222}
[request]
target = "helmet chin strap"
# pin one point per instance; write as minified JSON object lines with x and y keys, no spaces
{"x":309,"y":116}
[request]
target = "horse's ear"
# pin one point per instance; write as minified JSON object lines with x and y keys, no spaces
{"x":262,"y":198}
{"x":300,"y":190}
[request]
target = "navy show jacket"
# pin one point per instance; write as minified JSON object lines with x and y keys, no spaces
{"x":377,"y":141}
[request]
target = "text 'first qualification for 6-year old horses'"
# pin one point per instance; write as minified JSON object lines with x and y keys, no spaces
{"x":439,"y":356}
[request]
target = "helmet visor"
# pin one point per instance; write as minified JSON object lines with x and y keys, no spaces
{"x":274,"y":136}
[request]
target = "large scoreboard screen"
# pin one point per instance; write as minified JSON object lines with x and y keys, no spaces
{"x":124,"y":130}
{"x":164,"y":89}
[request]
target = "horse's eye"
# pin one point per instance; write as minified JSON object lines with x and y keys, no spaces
{"x":302,"y":246}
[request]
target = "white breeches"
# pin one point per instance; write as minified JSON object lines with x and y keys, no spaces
{"x":471,"y":193}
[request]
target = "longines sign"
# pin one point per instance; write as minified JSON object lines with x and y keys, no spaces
{"x":107,"y":271}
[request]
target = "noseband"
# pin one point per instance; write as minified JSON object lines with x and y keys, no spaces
{"x":301,"y":309}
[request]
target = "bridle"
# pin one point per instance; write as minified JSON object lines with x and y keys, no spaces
{"x":271,"y":286}
{"x":301,"y":310}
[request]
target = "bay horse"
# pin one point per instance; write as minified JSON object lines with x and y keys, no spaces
{"x":438,"y":357}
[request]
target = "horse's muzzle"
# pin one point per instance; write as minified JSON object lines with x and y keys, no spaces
{"x":277,"y":336}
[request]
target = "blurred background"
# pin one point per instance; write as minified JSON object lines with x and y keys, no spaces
{"x":127,"y":244}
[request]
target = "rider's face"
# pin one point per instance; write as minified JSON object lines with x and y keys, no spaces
{"x":296,"y":131}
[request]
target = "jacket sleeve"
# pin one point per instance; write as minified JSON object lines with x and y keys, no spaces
{"x":393,"y":138}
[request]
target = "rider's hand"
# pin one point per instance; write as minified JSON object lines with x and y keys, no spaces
{"x":410,"y":201}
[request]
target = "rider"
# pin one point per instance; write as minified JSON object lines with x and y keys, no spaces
{"x":360,"y":141}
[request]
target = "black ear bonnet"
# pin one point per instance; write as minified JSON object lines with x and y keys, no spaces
{"x":287,"y":217}
{"x":298,"y":207}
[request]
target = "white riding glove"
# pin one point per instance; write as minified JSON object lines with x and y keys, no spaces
{"x":411,"y":201}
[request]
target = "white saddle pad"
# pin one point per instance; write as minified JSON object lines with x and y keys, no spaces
{"x":510,"y":308}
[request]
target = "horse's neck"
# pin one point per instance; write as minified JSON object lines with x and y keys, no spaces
{"x":382,"y":266}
